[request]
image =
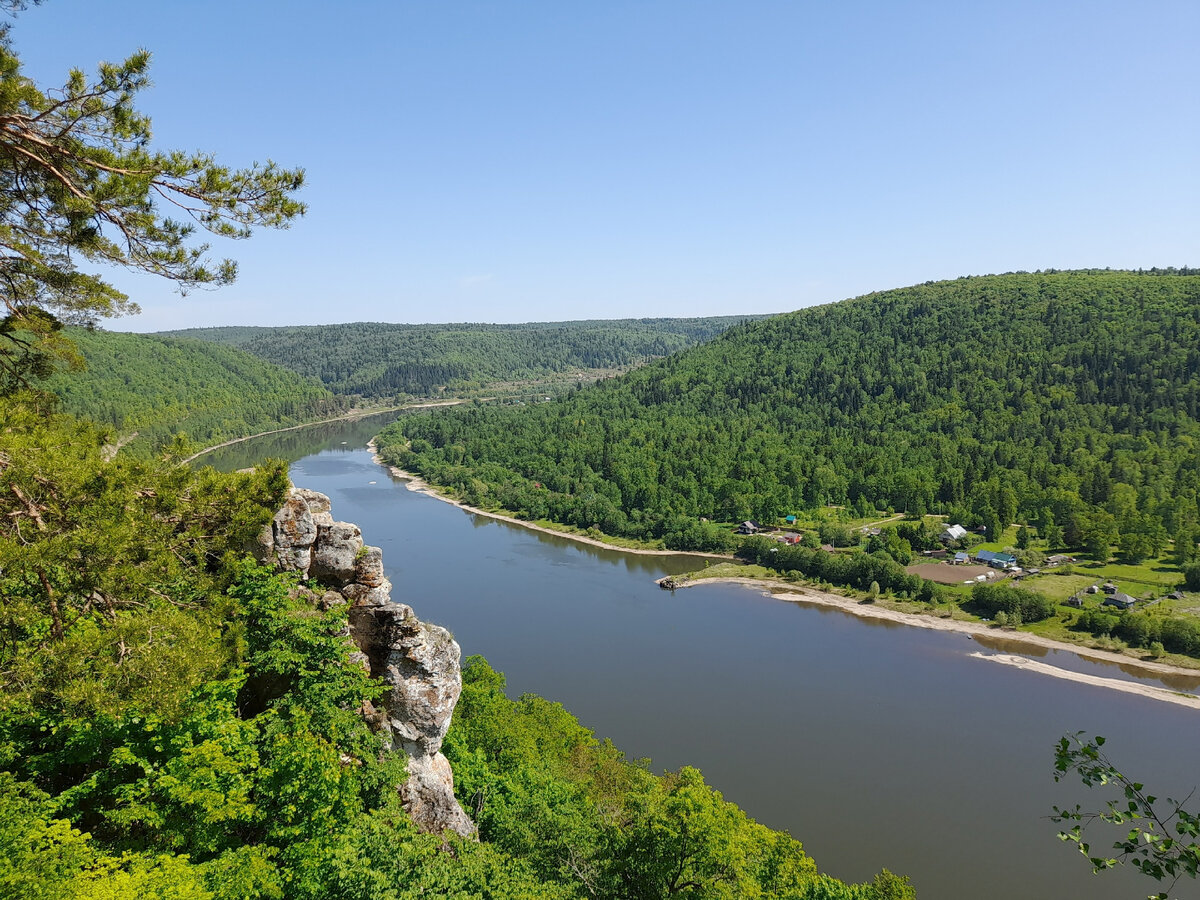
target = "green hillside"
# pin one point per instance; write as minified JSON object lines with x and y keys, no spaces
{"x":158,"y":387}
{"x":1067,"y":400}
{"x":179,"y":723}
{"x":375,"y":359}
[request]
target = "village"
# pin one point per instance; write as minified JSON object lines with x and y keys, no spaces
{"x":963,"y":562}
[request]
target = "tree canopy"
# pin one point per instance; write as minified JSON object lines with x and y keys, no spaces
{"x":80,"y":182}
{"x":1069,"y":401}
{"x":378,"y":359}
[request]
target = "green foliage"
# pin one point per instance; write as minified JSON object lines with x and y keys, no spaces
{"x":1068,"y":400}
{"x":857,"y":570}
{"x":1159,"y":838}
{"x":157,"y":387}
{"x":44,"y":858}
{"x":80,"y":182}
{"x":542,"y":788}
{"x":177,"y":722}
{"x":1018,"y":605}
{"x":375,"y":359}
{"x":102,"y":561}
{"x":1191,"y":576}
{"x":1178,"y":634}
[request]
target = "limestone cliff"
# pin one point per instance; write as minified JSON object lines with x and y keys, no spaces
{"x":419,"y":662}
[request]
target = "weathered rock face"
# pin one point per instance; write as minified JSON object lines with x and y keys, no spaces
{"x":419,"y":662}
{"x":335,"y":553}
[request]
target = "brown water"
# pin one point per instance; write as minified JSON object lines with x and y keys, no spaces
{"x":876,"y":745}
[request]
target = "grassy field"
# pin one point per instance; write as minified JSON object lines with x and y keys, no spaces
{"x":731,"y":570}
{"x":1152,"y":578}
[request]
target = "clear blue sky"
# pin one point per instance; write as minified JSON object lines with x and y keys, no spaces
{"x":524,"y":161}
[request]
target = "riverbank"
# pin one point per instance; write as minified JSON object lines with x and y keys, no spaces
{"x":419,"y":485}
{"x":790,"y":592}
{"x":344,"y":417}
{"x":793,"y":593}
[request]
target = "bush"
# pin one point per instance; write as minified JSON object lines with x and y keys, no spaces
{"x":1191,"y":576}
{"x":1027,"y":606}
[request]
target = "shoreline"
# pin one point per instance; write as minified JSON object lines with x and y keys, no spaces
{"x":345,"y":417}
{"x":794,"y":594}
{"x":419,"y":485}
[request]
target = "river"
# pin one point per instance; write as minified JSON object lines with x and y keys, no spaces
{"x":877,"y":745}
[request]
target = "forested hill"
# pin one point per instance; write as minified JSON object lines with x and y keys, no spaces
{"x":375,"y":359}
{"x":159,"y":387}
{"x":1067,"y":399}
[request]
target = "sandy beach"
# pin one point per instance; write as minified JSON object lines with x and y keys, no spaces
{"x":790,"y":592}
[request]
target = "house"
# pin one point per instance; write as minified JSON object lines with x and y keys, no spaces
{"x":1059,"y":559}
{"x":937,"y":554}
{"x":1075,"y":600}
{"x":1119,"y":600}
{"x":749,"y":527}
{"x":791,"y":520}
{"x":996,"y":560}
{"x":1093,"y":589}
{"x":953,"y":533}
{"x":961,"y":558}
{"x":1109,"y":588}
{"x":828,"y":548}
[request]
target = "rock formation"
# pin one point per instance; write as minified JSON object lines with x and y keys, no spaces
{"x":419,"y":662}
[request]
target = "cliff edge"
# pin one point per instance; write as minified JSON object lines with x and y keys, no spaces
{"x":418,"y":661}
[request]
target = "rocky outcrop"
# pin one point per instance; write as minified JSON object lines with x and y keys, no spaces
{"x":418,"y":661}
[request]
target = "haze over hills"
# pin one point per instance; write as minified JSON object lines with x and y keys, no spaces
{"x":376,"y":359}
{"x":1067,"y":399}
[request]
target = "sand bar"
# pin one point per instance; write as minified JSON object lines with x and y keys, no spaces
{"x":1149,"y":669}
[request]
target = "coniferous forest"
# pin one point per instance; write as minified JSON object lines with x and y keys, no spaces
{"x":1066,"y":400}
{"x":179,"y":723}
{"x":159,"y":387}
{"x":375,"y":359}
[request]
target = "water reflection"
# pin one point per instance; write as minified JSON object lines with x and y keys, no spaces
{"x":342,"y":436}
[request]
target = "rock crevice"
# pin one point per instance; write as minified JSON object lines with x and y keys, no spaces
{"x":418,"y":662}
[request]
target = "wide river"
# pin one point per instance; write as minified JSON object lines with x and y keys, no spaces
{"x":876,"y":745}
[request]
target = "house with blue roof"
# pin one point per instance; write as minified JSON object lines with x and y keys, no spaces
{"x":996,"y":560}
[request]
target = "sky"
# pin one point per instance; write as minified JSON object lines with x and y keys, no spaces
{"x":539,"y":160}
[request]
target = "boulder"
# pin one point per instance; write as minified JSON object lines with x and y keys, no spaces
{"x":368,"y":568}
{"x":293,"y":533}
{"x":318,"y":505}
{"x":336,"y":553}
{"x":428,"y":795}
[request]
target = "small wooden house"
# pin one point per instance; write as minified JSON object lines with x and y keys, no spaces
{"x":1119,"y":600}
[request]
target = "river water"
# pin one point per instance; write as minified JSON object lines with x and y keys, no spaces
{"x":877,"y":745}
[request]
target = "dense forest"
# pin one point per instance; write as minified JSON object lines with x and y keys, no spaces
{"x":1067,"y":400}
{"x":158,"y":387}
{"x":374,"y":359}
{"x":179,"y":723}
